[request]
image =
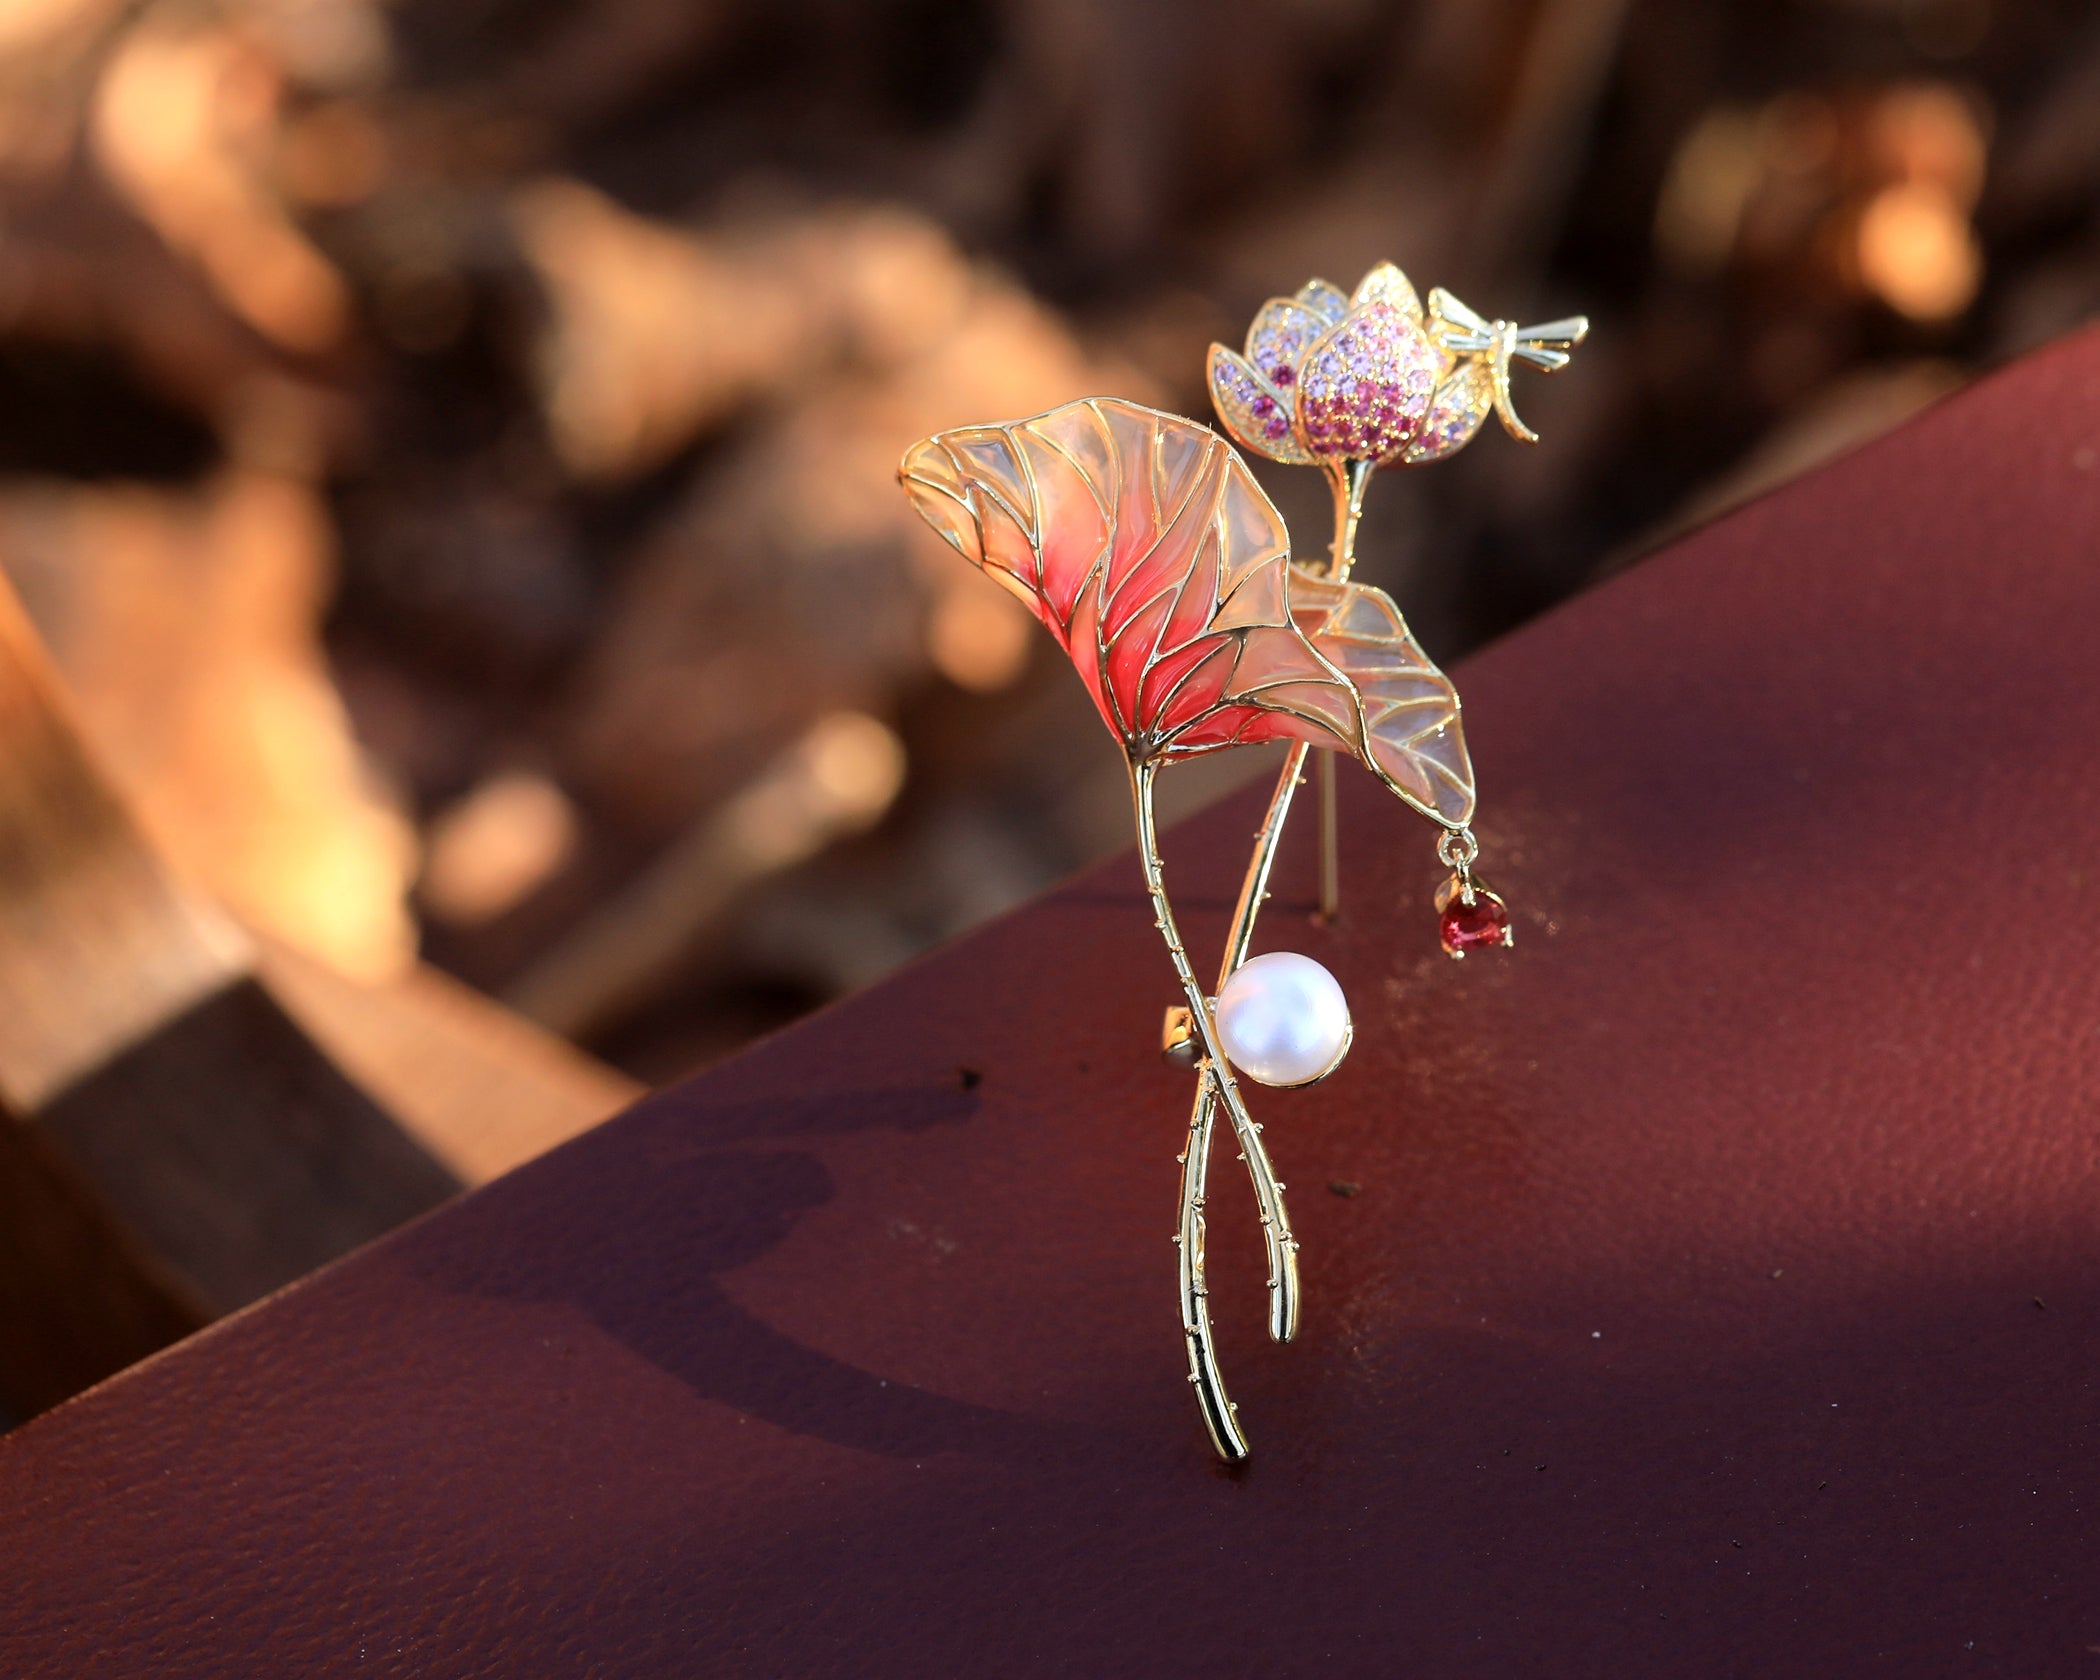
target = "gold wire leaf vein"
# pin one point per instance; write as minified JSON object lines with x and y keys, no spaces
{"x":1143,"y":544}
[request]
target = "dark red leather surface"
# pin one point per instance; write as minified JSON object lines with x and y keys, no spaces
{"x":1722,"y":1297}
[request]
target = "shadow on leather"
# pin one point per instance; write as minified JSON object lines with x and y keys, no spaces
{"x":641,"y":1240}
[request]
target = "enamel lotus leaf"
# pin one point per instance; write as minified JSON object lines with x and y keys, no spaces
{"x":1144,"y":545}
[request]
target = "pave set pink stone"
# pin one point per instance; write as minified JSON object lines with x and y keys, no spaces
{"x":1366,"y":387}
{"x":1329,"y":378}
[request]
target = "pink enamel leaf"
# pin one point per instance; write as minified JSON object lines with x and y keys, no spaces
{"x":1413,"y":740}
{"x":1143,"y":544}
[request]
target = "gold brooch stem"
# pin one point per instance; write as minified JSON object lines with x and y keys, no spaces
{"x":1349,"y":482}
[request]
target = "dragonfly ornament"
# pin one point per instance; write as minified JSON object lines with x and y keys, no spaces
{"x":1463,"y":332}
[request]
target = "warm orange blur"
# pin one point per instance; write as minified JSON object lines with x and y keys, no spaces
{"x":453,"y":461}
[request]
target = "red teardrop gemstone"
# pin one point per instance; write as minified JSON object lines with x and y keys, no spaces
{"x":1477,"y":926}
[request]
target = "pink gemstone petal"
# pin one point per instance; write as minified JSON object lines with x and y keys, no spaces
{"x":1365,"y":387}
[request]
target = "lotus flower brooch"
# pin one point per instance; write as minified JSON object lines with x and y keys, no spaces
{"x":1143,"y":544}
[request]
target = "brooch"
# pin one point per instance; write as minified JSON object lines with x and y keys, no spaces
{"x":1142,"y":543}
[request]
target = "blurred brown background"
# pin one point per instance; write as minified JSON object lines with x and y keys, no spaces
{"x":447,"y":446}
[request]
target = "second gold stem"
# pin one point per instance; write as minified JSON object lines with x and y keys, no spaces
{"x":1220,"y":1415}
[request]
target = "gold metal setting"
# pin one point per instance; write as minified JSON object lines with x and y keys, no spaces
{"x":1178,"y":1044}
{"x":1463,"y":887}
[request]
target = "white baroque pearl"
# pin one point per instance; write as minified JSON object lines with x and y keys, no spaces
{"x":1282,"y":1019}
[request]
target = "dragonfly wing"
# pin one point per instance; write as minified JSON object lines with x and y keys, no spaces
{"x":1563,"y":334}
{"x":1447,"y":311}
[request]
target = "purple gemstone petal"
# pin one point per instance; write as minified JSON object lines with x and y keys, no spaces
{"x":1279,"y":336}
{"x":1247,"y":408}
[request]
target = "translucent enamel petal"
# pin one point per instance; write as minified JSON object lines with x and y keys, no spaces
{"x":929,"y":477}
{"x":1326,"y":702}
{"x":1073,"y":525}
{"x":1180,"y":456}
{"x":1250,"y":529}
{"x":1137,"y":518}
{"x":1412,"y":737}
{"x":1185,"y":685}
{"x":987,"y":459}
{"x":1132,"y":649}
{"x":1261,"y":599}
{"x":1255,"y":413}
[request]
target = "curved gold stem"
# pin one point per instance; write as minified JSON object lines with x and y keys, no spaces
{"x":1219,"y":1087}
{"x":1348,"y":482}
{"x":1220,"y":1415}
{"x":1254,"y":889}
